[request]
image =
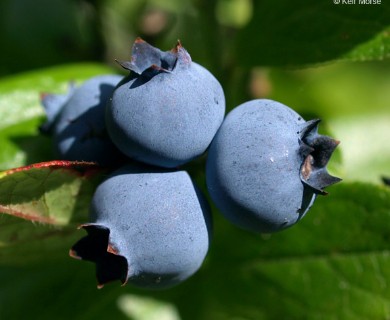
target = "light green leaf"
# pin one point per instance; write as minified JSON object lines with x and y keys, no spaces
{"x":47,"y":192}
{"x":376,"y":48}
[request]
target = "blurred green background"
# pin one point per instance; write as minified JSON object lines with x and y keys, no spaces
{"x":322,"y":59}
{"x":298,"y":53}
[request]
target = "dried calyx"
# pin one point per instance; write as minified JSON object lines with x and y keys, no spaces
{"x":316,"y":150}
{"x":95,"y":247}
{"x":145,"y":57}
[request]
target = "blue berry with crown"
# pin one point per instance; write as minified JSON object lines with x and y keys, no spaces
{"x":167,"y":110}
{"x":266,"y":166}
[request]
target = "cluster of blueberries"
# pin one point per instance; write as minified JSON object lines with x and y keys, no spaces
{"x":150,"y":225}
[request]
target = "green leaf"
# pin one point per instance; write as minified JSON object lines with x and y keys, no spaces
{"x":334,"y":264}
{"x":55,"y":196}
{"x":376,"y":48}
{"x":23,"y":243}
{"x":55,"y":290}
{"x":292,"y":33}
{"x":47,"y":192}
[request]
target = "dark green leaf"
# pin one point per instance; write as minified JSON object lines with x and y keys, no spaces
{"x":291,"y":33}
{"x":334,"y":264}
{"x":55,"y":290}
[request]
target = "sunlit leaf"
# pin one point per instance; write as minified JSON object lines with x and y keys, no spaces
{"x":47,"y":192}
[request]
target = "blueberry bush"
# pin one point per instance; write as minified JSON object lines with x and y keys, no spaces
{"x":324,"y":59}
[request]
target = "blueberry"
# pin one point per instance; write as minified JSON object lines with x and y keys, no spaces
{"x":77,"y":121}
{"x":53,"y":104}
{"x":149,"y":228}
{"x":167,"y":110}
{"x":266,"y":166}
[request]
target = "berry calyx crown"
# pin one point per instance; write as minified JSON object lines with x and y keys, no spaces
{"x":316,"y":150}
{"x":96,"y":247}
{"x":145,"y":57}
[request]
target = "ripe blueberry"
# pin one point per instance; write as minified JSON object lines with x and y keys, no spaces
{"x":266,"y":165}
{"x":167,"y":110}
{"x":150,"y":228}
{"x":53,"y":103}
{"x":77,"y":121}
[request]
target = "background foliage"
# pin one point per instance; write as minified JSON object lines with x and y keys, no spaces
{"x":322,"y":59}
